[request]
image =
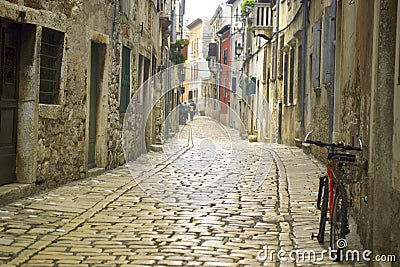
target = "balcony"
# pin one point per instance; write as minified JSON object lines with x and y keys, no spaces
{"x":262,"y":16}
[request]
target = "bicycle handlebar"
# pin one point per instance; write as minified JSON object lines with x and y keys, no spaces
{"x":339,"y":145}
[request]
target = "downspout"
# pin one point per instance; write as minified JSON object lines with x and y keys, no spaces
{"x":220,"y":69}
{"x":232,"y":50}
{"x":275,"y":72}
{"x":275,"y":56}
{"x":167,"y":88}
{"x":304,"y":64}
{"x":332,"y":36}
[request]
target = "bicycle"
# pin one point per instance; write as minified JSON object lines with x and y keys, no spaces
{"x":344,"y":170}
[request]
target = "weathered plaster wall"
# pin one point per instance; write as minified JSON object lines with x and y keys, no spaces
{"x":384,"y":198}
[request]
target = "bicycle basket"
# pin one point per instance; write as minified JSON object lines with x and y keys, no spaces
{"x":346,"y":168}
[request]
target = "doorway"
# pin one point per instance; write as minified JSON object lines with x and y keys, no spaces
{"x":9,"y":56}
{"x":96,"y":79}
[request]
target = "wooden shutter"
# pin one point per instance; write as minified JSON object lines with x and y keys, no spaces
{"x":316,"y":55}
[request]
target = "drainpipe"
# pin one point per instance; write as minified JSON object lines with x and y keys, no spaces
{"x":168,"y":86}
{"x":275,"y":56}
{"x":219,"y":72}
{"x":332,"y":36}
{"x":232,"y":50}
{"x":275,"y":72}
{"x":304,"y":64}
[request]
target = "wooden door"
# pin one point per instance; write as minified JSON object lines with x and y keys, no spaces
{"x":9,"y":56}
{"x":94,"y":87}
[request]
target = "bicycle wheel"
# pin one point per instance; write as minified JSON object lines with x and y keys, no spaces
{"x":320,"y":190}
{"x":324,"y":210}
{"x":339,"y":224}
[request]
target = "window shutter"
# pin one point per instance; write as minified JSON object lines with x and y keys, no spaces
{"x":285,"y":79}
{"x":316,"y":55}
{"x":125,"y":79}
{"x":233,"y":85}
{"x":291,"y":84}
{"x":327,"y":47}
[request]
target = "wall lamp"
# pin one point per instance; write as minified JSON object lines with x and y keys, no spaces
{"x":238,"y":49}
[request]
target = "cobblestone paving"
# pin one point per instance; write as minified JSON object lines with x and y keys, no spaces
{"x":220,"y":201}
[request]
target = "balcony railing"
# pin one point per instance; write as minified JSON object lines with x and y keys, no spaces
{"x":262,"y":16}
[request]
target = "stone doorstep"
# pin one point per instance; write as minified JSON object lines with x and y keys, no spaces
{"x":12,"y":192}
{"x":93,"y":172}
{"x":252,"y":138}
{"x":157,"y":148}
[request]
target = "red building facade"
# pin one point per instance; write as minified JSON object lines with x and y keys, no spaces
{"x":224,"y":88}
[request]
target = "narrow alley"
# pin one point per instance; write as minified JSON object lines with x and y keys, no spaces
{"x":199,"y":133}
{"x":114,"y":220}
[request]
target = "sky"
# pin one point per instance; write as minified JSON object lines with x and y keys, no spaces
{"x":201,"y":9}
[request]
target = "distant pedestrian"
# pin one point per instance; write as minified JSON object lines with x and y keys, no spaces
{"x":186,"y":106}
{"x":183,"y":113}
{"x":192,"y":110}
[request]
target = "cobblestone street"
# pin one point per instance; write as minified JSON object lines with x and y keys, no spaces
{"x":211,"y":199}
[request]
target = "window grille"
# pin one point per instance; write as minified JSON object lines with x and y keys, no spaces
{"x":50,"y":65}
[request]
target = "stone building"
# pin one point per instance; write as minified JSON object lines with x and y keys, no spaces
{"x":69,"y":69}
{"x":337,"y":74}
{"x":196,"y":64}
{"x":257,"y":38}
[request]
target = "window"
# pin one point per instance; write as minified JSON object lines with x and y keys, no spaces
{"x":233,"y":85}
{"x":52,"y":45}
{"x":280,"y":66}
{"x":264,"y":71}
{"x":291,"y":79}
{"x":285,"y":79}
{"x":125,"y":80}
{"x":226,"y":56}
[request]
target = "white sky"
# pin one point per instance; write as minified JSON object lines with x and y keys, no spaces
{"x":201,"y":9}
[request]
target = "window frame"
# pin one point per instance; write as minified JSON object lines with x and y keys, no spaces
{"x":58,"y":44}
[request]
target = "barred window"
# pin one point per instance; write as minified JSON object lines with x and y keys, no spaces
{"x":50,"y":65}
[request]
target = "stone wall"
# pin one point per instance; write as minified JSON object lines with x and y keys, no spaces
{"x":60,"y":132}
{"x":354,"y":88}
